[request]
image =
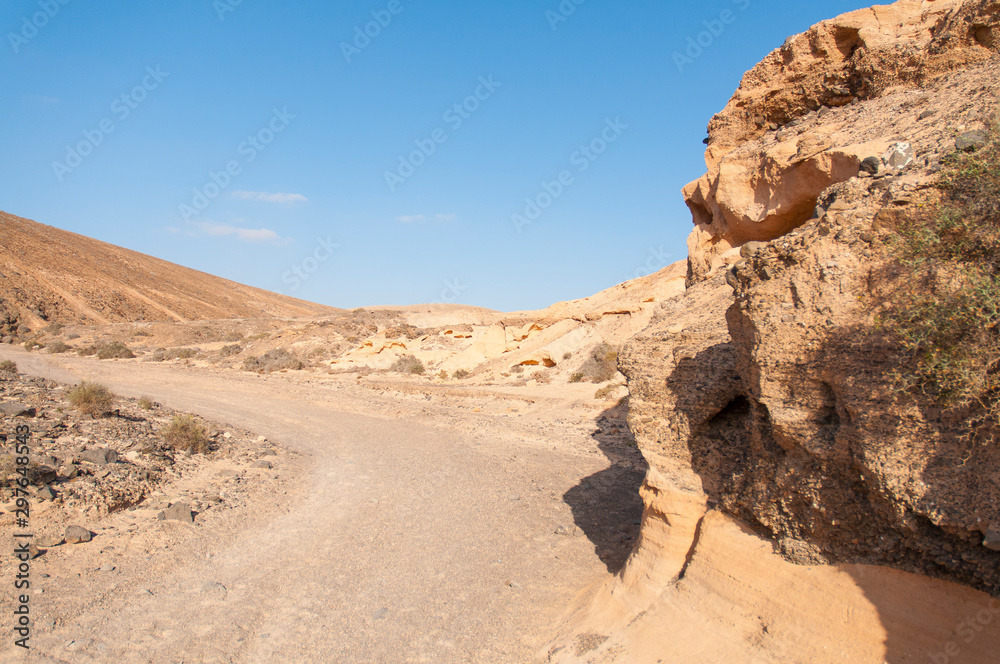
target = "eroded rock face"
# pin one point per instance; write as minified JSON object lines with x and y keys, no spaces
{"x":794,"y":127}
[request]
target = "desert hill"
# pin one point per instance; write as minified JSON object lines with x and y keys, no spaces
{"x":48,"y":275}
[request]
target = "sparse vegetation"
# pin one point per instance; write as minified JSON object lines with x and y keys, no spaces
{"x":91,"y":399}
{"x":114,"y":350}
{"x":86,"y":351}
{"x":186,"y":434}
{"x":8,"y":366}
{"x":57,"y":347}
{"x":277,"y":359}
{"x":601,"y":365}
{"x":233,"y":337}
{"x":32,"y":345}
{"x":577,"y":377}
{"x":605,"y":392}
{"x":164,"y":354}
{"x":408,"y":364}
{"x":944,"y":302}
{"x":567,"y":356}
{"x":517,"y":368}
{"x":443,"y":375}
{"x":146,"y":403}
{"x":230,"y":350}
{"x":460,"y":374}
{"x":53,"y":328}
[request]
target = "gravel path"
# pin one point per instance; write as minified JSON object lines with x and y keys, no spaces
{"x":399,"y":540}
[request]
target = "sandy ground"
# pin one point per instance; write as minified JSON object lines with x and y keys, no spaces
{"x":387,"y":534}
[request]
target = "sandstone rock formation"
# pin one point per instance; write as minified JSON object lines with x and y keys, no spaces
{"x":781,"y":140}
{"x":765,"y":409}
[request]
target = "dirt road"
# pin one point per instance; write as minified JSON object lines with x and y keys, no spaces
{"x":401,"y":541}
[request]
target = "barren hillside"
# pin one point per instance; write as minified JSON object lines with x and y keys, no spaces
{"x":49,"y":275}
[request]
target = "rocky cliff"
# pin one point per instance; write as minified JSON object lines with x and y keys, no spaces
{"x":789,"y":477}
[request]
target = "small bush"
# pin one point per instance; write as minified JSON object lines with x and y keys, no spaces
{"x":602,"y":363}
{"x":53,"y":328}
{"x":461,"y":373}
{"x":408,"y":364}
{"x":278,"y":359}
{"x":146,"y":403}
{"x":942,"y":302}
{"x":185,"y":434}
{"x":233,"y":337}
{"x":91,"y":399}
{"x":605,"y":392}
{"x":86,"y":351}
{"x":230,"y":350}
{"x":517,"y":368}
{"x":7,"y":366}
{"x":71,"y":336}
{"x":32,"y":345}
{"x":577,"y":377}
{"x":142,"y":333}
{"x":115,"y":350}
{"x":567,"y":356}
{"x":57,"y":347}
{"x":541,"y":377}
{"x":443,"y":375}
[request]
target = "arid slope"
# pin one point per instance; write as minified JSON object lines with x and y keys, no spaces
{"x":50,"y":275}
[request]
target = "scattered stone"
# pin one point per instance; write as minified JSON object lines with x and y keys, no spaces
{"x":992,"y":538}
{"x":45,"y":493}
{"x":871,"y":165}
{"x":100,"y":456}
{"x":17,"y":410}
{"x":926,"y":114}
{"x":380,"y":614}
{"x":214,"y":588}
{"x":899,"y":156}
{"x":77,"y":535}
{"x":568,"y":531}
{"x":177,"y":512}
{"x":107,"y":568}
{"x":48,"y":541}
{"x":263,"y":463}
{"x":971,"y":141}
{"x":751,"y":248}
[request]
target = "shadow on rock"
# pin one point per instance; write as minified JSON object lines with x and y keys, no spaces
{"x":606,"y":505}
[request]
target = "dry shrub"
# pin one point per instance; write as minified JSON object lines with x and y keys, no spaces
{"x":91,"y":399}
{"x":942,"y":299}
{"x":408,"y":364}
{"x":186,"y":434}
{"x":7,"y":366}
{"x":114,"y":350}
{"x":278,"y":359}
{"x":57,"y":347}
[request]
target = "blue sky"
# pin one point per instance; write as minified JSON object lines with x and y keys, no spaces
{"x":279,"y":145}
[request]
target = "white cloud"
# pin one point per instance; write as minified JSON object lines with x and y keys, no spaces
{"x":446,"y":217}
{"x":243,"y":234}
{"x":268,"y":197}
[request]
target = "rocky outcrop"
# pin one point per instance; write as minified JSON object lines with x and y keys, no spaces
{"x":764,"y":406}
{"x":795,"y":125}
